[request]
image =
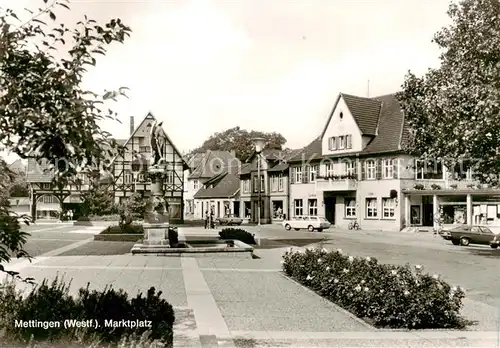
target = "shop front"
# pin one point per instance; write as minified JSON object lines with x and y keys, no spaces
{"x":452,"y":207}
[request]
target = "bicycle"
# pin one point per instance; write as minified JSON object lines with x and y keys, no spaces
{"x":353,"y":225}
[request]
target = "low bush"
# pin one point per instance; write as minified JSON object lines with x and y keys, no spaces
{"x":104,"y":218}
{"x":238,"y":234}
{"x":83,"y":218}
{"x":108,"y":310}
{"x":124,"y":229}
{"x":385,"y":295}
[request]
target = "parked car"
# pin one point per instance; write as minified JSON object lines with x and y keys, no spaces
{"x":312,"y":223}
{"x":230,"y":220}
{"x":465,"y":235}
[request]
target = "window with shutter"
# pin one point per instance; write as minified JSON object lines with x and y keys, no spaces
{"x":363,"y":169}
{"x":349,"y":141}
{"x":305,"y":177}
{"x":337,"y":142}
{"x":334,"y":143}
{"x":395,"y":171}
{"x":292,"y":175}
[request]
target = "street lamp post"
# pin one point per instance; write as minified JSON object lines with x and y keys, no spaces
{"x":259,"y":146}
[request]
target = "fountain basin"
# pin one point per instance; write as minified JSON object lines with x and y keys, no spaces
{"x":198,"y":248}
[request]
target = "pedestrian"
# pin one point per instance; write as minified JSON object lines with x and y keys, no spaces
{"x":206,"y":219}
{"x":212,"y":220}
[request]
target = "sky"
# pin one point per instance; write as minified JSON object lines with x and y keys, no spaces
{"x":203,"y":66}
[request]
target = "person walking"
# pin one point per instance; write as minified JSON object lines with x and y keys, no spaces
{"x":206,"y":219}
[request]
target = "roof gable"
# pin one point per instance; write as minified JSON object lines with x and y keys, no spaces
{"x":391,"y":130}
{"x":143,"y":130}
{"x":365,"y":111}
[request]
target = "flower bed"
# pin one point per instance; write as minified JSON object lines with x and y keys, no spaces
{"x":386,"y":296}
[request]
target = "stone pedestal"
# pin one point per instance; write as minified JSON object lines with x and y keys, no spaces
{"x":156,"y":234}
{"x":156,"y":220}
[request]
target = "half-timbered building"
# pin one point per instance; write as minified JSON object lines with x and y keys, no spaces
{"x":128,"y":171}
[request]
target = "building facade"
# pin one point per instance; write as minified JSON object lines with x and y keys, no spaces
{"x":202,"y":168}
{"x":219,"y":195}
{"x":272,"y":189}
{"x":357,"y":171}
{"x":127,"y":175}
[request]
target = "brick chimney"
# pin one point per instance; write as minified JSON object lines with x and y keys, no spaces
{"x":132,"y":126}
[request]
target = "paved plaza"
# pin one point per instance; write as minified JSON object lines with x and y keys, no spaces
{"x":233,"y":302}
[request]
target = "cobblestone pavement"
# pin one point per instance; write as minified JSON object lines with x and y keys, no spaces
{"x":249,"y":303}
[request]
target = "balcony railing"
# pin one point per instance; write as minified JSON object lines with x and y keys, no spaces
{"x":346,"y":184}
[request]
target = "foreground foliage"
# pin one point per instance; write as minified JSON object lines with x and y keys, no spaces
{"x":454,"y":111}
{"x":51,"y":302}
{"x":386,"y":295}
{"x":45,"y":114}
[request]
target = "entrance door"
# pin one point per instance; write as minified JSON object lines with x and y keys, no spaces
{"x":236,"y":208}
{"x":330,"y":209}
{"x":427,"y":211}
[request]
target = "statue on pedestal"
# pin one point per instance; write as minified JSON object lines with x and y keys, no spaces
{"x":157,"y":142}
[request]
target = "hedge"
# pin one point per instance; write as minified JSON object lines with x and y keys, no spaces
{"x":51,"y":302}
{"x":116,"y":229}
{"x":387,"y":296}
{"x":238,"y":234}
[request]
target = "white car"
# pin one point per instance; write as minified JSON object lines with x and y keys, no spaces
{"x":312,"y":223}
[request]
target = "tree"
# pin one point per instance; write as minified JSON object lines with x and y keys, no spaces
{"x":453,"y":112}
{"x":240,"y":141}
{"x":98,"y":199}
{"x":45,"y":114}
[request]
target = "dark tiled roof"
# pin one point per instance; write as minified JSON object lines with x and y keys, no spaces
{"x":310,"y":151}
{"x":224,"y":186}
{"x":37,"y":172}
{"x":390,"y":127}
{"x":212,"y":162}
{"x":280,"y":167}
{"x":17,"y":166}
{"x":365,"y":111}
{"x":195,"y":160}
{"x":245,"y":169}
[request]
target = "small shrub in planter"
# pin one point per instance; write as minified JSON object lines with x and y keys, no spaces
{"x":418,"y":187}
{"x":238,"y":234}
{"x":83,"y":218}
{"x":470,"y":185}
{"x":386,"y":295}
{"x":435,"y":187}
{"x":453,"y":186}
{"x":124,"y":229}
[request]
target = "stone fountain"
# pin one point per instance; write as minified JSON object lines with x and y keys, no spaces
{"x":157,"y":232}
{"x":162,"y":239}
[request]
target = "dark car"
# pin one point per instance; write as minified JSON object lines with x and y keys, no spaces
{"x":465,"y":235}
{"x":230,"y":220}
{"x":495,"y":243}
